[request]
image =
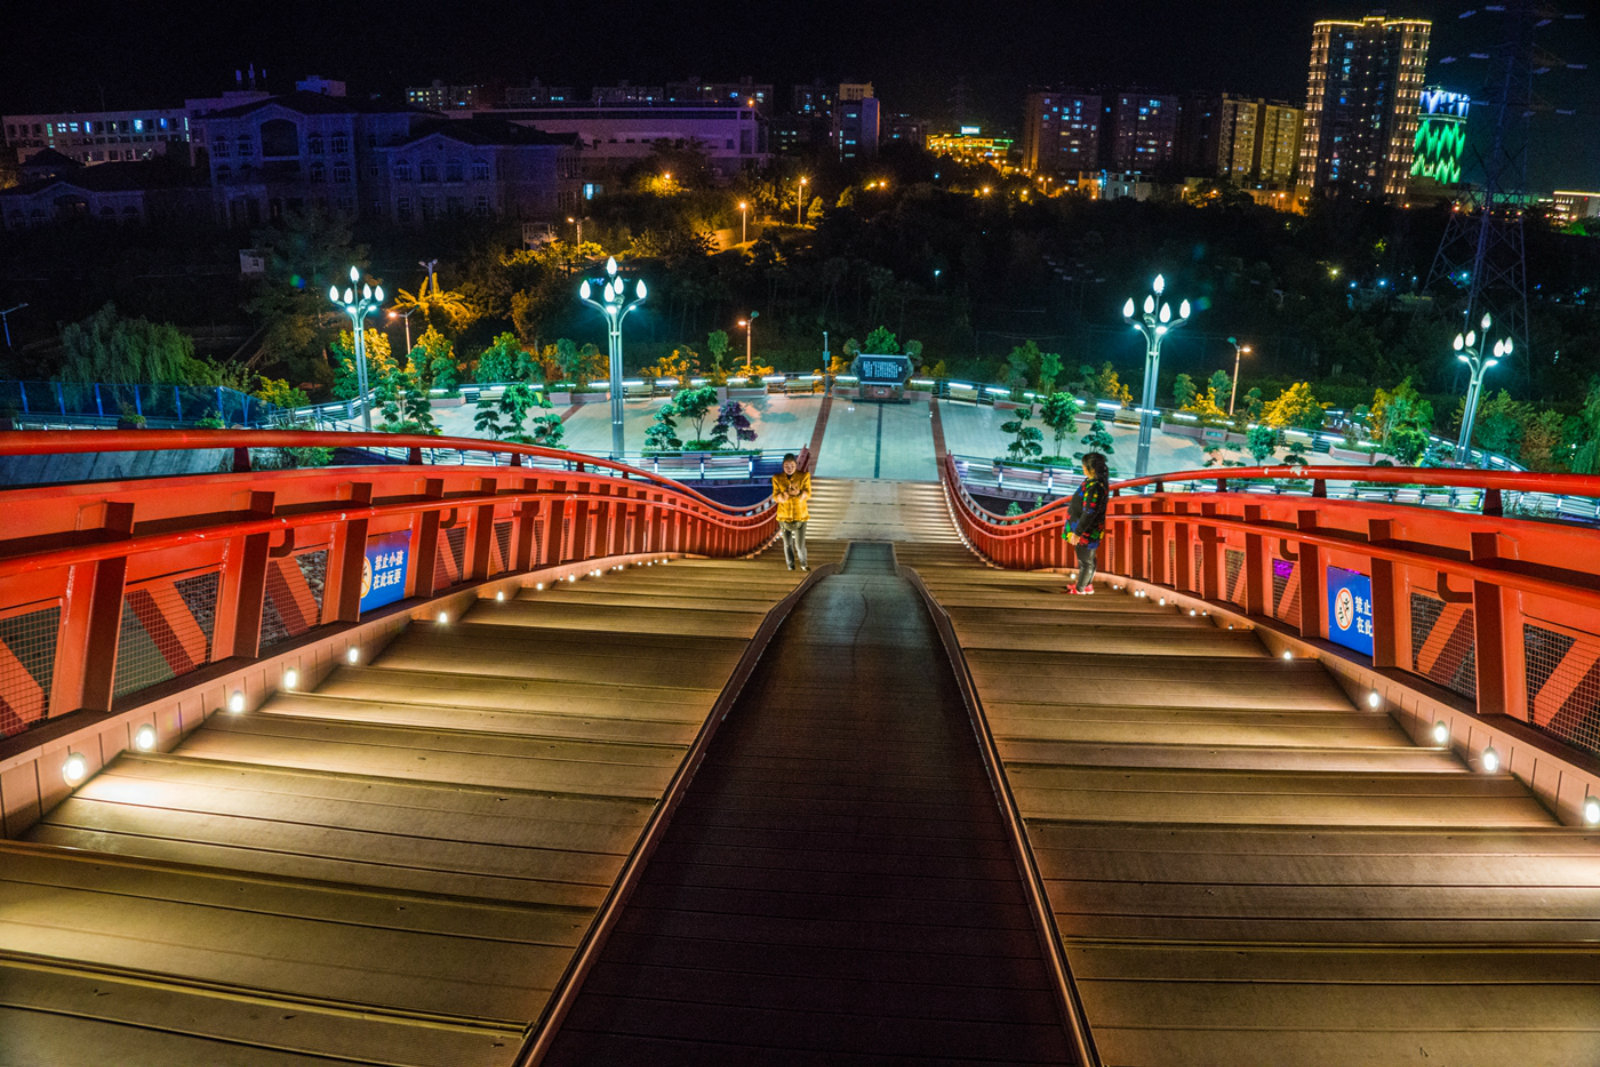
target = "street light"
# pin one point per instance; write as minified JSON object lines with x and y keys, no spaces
{"x":800,"y":199}
{"x":1155,"y":324}
{"x":1234,"y":394}
{"x":406,"y":315}
{"x":358,"y":308}
{"x":614,"y":305}
{"x":1470,"y":350}
{"x":577,"y":238}
{"x":5,"y":320}
{"x":749,"y":325}
{"x":744,"y":222}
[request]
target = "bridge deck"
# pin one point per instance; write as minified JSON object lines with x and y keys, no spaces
{"x":837,"y":885}
{"x":395,"y":868}
{"x":1247,"y":868}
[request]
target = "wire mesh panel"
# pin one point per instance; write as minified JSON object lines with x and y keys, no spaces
{"x":1441,"y":644}
{"x":1563,"y":678}
{"x":293,"y":603}
{"x":502,"y":548}
{"x":27,"y":661}
{"x":451,"y":556}
{"x":167,"y":624}
{"x":1233,"y":576}
{"x":1199,"y":576}
{"x":1286,"y":591}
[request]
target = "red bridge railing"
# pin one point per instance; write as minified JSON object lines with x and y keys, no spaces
{"x":110,"y":588}
{"x":1502,"y":612}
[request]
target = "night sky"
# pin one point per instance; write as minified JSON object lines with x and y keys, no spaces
{"x":71,"y":54}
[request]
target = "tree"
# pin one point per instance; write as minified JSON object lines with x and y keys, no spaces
{"x":1025,"y":439}
{"x":1586,"y":456}
{"x":438,"y":305}
{"x":1059,"y":412}
{"x":306,"y":251}
{"x":404,"y":403}
{"x":1049,"y":367}
{"x":696,"y":405}
{"x":816,"y":212}
{"x":1184,"y":392}
{"x":1544,"y":439}
{"x":1261,"y":442}
{"x":662,"y":436}
{"x":1098,"y":439}
{"x":881,"y":342}
{"x":105,"y":347}
{"x":1105,"y":385}
{"x":380,"y":363}
{"x":717,"y":345}
{"x":1022,"y":365}
{"x":279,"y":393}
{"x":505,"y":360}
{"x":680,"y":364}
{"x":1295,"y":455}
{"x":1295,"y":407}
{"x":486,"y":421}
{"x":1499,"y":425}
{"x":1397,"y":410}
{"x":1407,"y":444}
{"x":1219,"y":385}
{"x":1207,"y":406}
{"x":433,"y":359}
{"x":732,"y":426}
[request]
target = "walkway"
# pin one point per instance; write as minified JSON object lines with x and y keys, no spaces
{"x":1245,"y":867}
{"x":394,"y":868}
{"x":836,"y":887}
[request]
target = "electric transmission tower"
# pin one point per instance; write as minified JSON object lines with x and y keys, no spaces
{"x":1482,"y":252}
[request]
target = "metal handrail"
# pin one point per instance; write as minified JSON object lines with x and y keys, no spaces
{"x":60,"y":442}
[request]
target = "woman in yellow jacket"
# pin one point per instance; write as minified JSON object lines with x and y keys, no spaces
{"x":791,"y":490}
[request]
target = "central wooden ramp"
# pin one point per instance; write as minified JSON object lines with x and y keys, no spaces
{"x":837,"y":886}
{"x":395,"y":868}
{"x":1246,"y":868}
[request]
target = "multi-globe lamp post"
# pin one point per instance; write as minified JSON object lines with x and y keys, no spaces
{"x":1470,"y":349}
{"x":614,"y":303}
{"x":1155,"y":323}
{"x":358,"y":307}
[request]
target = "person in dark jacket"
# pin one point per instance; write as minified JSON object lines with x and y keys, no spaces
{"x":1086,"y":519}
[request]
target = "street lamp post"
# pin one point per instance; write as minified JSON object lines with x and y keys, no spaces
{"x":800,"y":199}
{"x":406,"y":316}
{"x":1155,"y":323}
{"x":614,"y":304}
{"x":577,"y":223}
{"x":744,"y":222}
{"x":5,"y":320}
{"x":1470,"y":350}
{"x":358,"y":307}
{"x":1234,"y":393}
{"x":749,"y":325}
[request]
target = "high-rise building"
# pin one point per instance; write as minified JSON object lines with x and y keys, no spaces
{"x":1441,"y":136}
{"x":1257,"y":140}
{"x":1362,"y":97}
{"x":1141,"y":130}
{"x":815,"y":100}
{"x":1061,"y":132}
{"x":1278,"y":143}
{"x":626,"y":93}
{"x":857,"y":125}
{"x":1199,"y":118}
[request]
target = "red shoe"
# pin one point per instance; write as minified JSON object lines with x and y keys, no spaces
{"x":1087,"y":590}
{"x":1070,"y":589}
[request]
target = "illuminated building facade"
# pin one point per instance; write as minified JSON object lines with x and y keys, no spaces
{"x":1061,"y":132}
{"x":1141,"y":131}
{"x":1258,"y":141}
{"x":745,"y":91}
{"x":442,"y":97}
{"x":1362,"y":99}
{"x":1441,"y":136}
{"x":970,"y":146}
{"x":1572,"y":206}
{"x":101,"y":136}
{"x":857,"y":125}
